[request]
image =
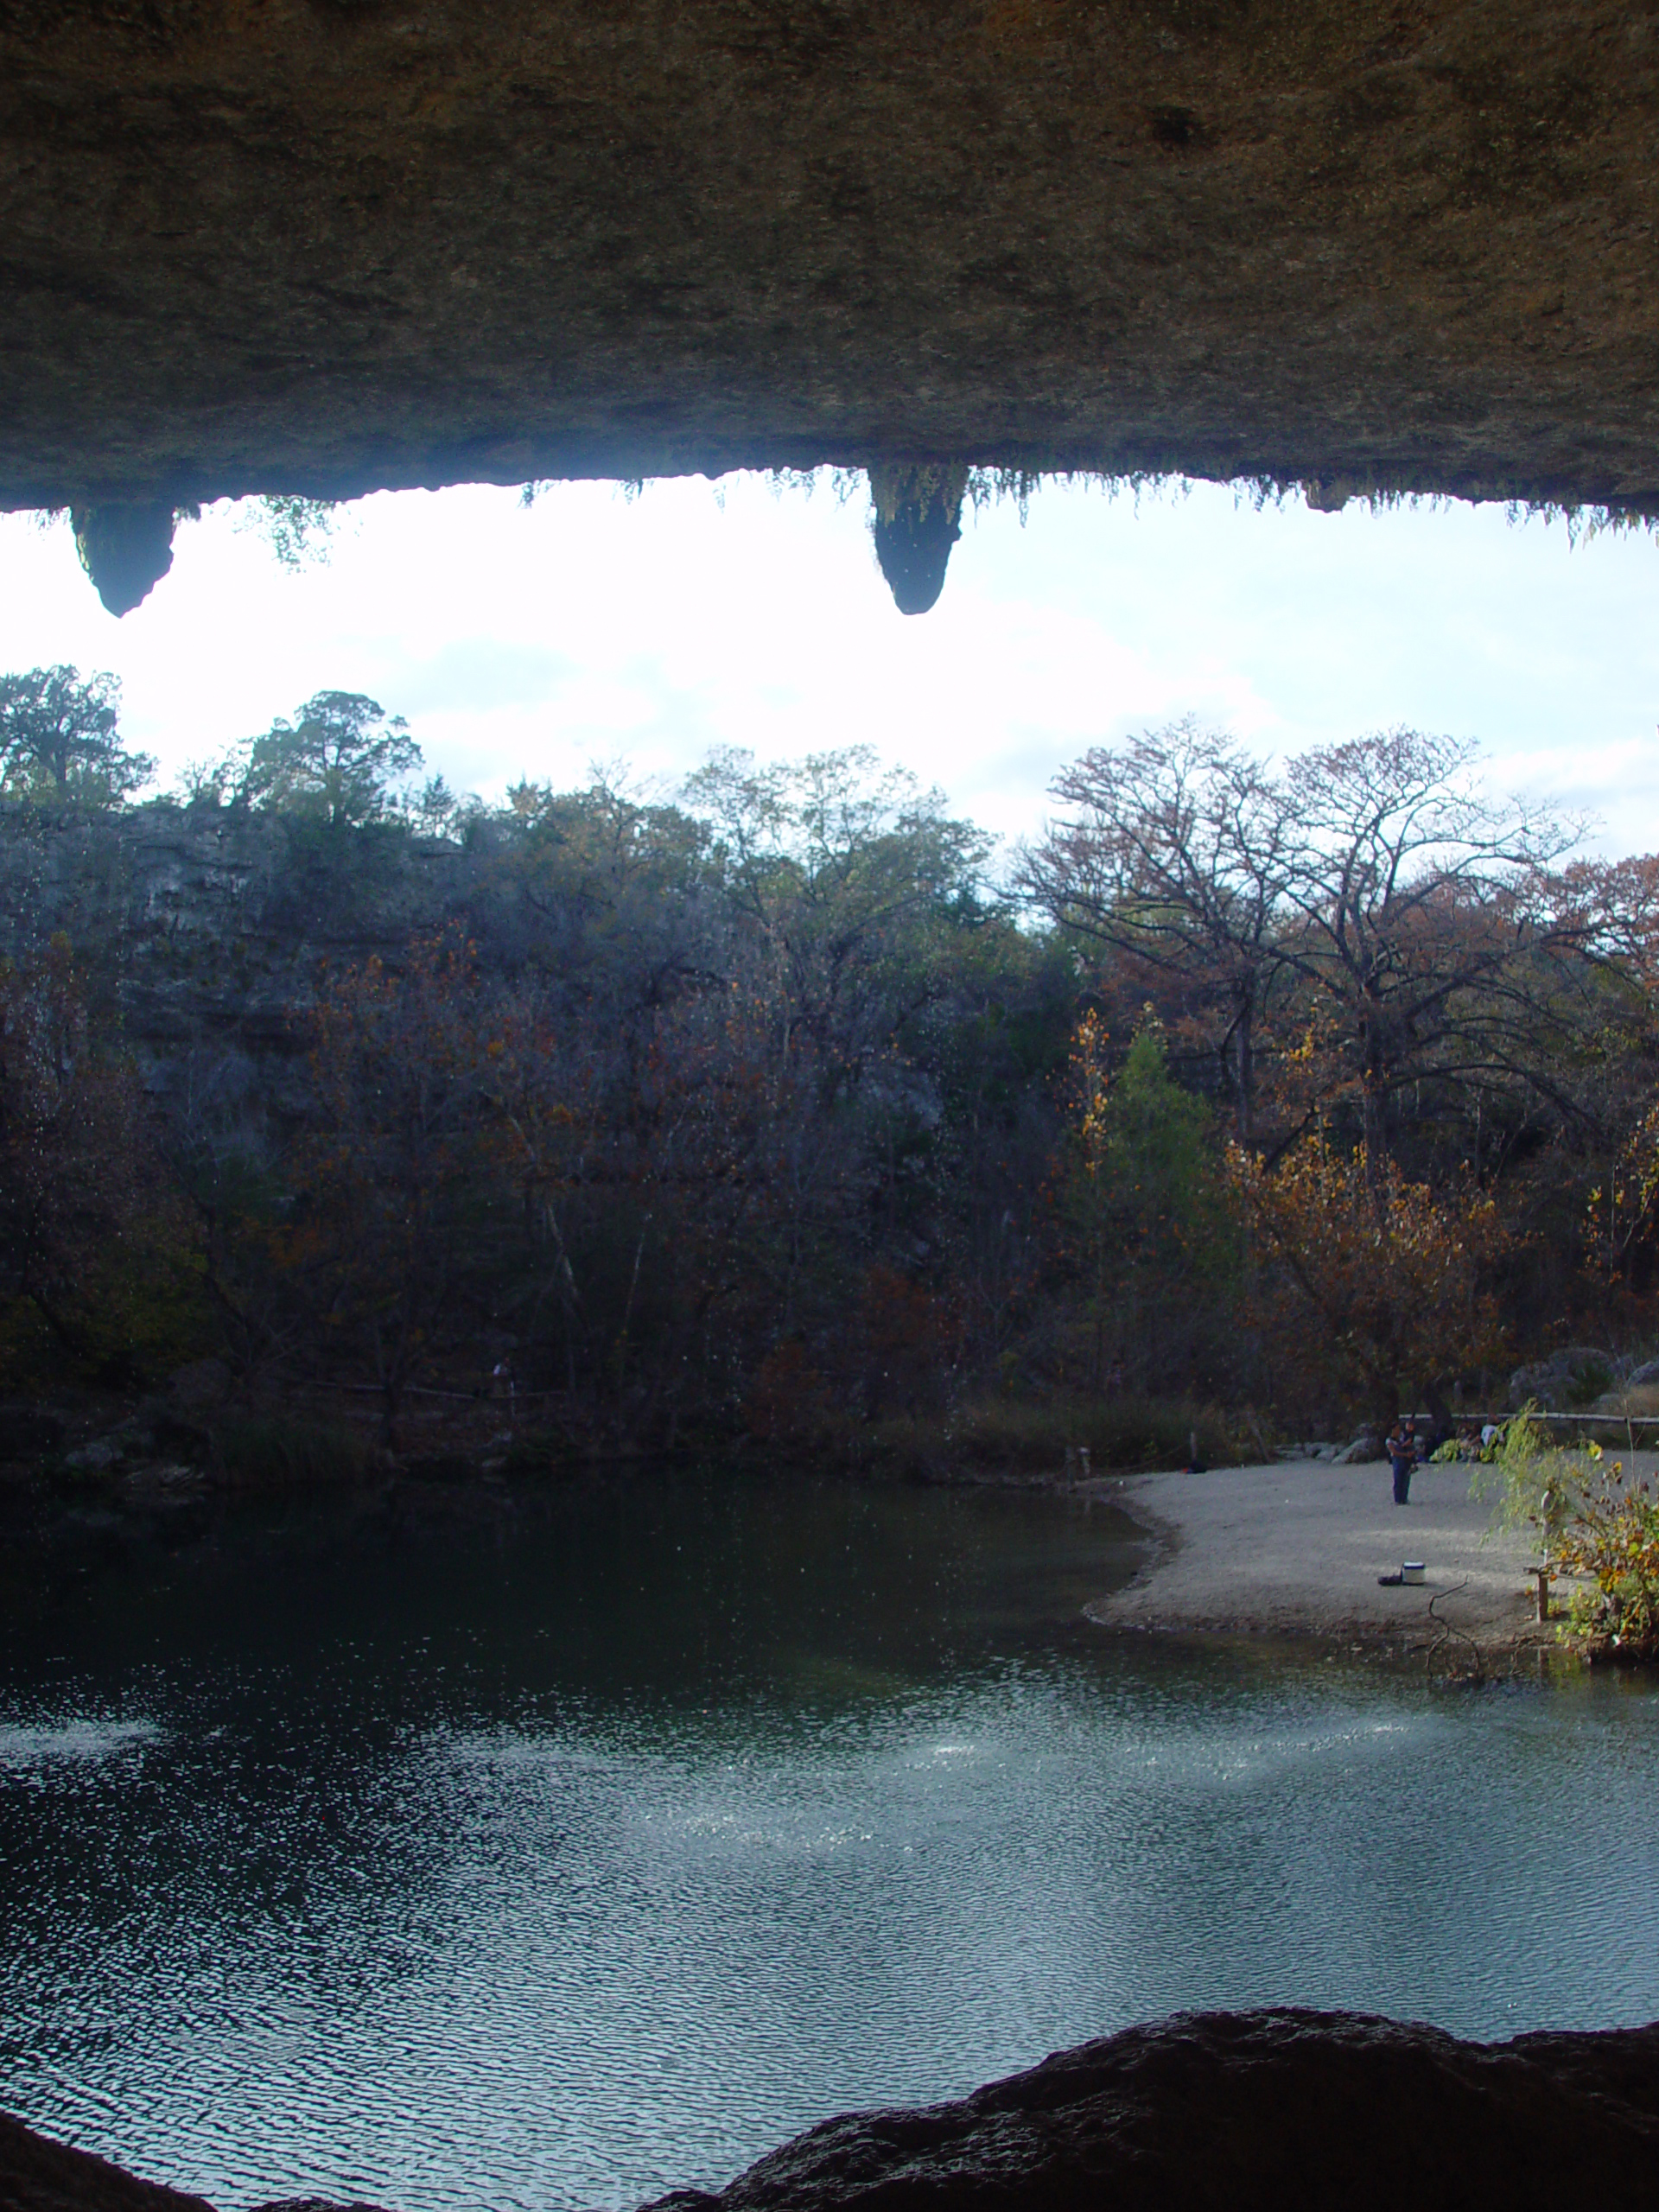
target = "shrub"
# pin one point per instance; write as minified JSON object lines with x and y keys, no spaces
{"x":1587,"y":1380}
{"x":1592,"y":1522}
{"x":1611,"y":1537}
{"x":260,"y":1448}
{"x":1119,"y":1434}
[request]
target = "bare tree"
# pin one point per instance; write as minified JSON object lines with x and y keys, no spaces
{"x":856,"y":882}
{"x":1386,"y":923}
{"x":1177,"y":852}
{"x":1417,"y":921}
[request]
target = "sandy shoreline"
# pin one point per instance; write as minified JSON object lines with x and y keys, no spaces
{"x":1296,"y":1548}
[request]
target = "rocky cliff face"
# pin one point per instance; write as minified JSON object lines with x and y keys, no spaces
{"x":324,"y":245}
{"x":1285,"y":2111}
{"x":204,"y":930}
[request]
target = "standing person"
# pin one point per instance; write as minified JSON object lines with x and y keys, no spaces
{"x":1402,"y":1455}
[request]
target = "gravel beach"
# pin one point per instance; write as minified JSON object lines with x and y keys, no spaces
{"x":1296,"y":1548}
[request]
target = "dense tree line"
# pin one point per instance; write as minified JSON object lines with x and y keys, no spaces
{"x":787,"y":1108}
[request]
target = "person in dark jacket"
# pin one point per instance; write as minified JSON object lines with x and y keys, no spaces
{"x":1402,"y":1457}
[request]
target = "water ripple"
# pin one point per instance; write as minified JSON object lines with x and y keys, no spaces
{"x":456,"y":1878}
{"x":77,"y":1740}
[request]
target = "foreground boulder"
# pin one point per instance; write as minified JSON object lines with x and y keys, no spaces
{"x":39,"y":2175}
{"x":1572,"y":1376}
{"x":1281,"y":2109}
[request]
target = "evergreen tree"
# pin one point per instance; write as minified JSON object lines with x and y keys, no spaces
{"x":340,"y":761}
{"x":59,"y":740}
{"x":1149,"y":1228}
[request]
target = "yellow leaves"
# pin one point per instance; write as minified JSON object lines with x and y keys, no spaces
{"x":1301,"y":1055}
{"x":1089,"y":1046}
{"x":1390,"y":1269}
{"x":1612,"y":1536}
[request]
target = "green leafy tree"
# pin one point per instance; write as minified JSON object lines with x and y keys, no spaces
{"x":341,"y":761}
{"x":59,"y":740}
{"x":1148,"y":1230}
{"x":610,"y":885}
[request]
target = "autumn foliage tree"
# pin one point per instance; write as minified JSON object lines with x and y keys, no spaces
{"x":630,"y":1209}
{"x":713,"y":1183}
{"x":1593,"y":1523}
{"x":1368,"y":1282}
{"x":1606,"y":1531}
{"x":768,"y":1105}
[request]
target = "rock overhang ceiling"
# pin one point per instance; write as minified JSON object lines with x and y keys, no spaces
{"x":326,"y":247}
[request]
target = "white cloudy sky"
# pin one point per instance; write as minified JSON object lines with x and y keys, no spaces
{"x":593,"y":627}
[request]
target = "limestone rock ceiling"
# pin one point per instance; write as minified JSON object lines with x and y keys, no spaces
{"x":326,"y":246}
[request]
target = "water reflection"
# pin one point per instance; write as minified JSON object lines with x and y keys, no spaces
{"x":564,"y":1853}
